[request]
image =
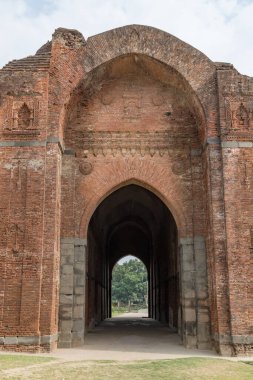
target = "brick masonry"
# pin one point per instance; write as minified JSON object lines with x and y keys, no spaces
{"x":82,"y":118}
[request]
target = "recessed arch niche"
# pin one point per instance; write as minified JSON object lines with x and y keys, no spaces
{"x":136,"y":122}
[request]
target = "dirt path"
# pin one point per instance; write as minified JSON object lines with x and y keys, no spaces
{"x":130,"y":337}
{"x":27,"y":369}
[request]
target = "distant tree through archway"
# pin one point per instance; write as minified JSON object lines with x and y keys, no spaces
{"x":129,"y":286}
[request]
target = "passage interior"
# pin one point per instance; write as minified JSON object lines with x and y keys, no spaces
{"x":133,"y":221}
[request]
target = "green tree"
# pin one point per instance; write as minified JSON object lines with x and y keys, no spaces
{"x":129,"y":282}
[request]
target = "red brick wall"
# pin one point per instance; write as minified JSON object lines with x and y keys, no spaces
{"x":132,"y":105}
{"x":30,"y":192}
{"x":236,"y":120}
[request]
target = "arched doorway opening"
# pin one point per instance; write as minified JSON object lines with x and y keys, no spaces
{"x":135,"y":122}
{"x":129,"y":286}
{"x":133,"y":219}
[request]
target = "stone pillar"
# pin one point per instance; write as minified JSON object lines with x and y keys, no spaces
{"x":202,"y":296}
{"x":72,"y":292}
{"x":188,"y":292}
{"x":194,"y":293}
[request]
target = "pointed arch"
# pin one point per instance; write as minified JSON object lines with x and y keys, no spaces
{"x":155,"y":43}
{"x":130,"y":255}
{"x":167,"y":198}
{"x":193,"y":71}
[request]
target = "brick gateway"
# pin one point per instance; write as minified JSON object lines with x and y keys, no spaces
{"x":129,"y":141}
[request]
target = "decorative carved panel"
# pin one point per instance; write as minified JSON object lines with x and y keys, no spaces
{"x":239,"y":118}
{"x":22,"y":116}
{"x":132,"y":107}
{"x":85,"y":167}
{"x":157,"y":99}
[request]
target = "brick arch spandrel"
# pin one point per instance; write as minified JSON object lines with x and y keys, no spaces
{"x":188,"y":69}
{"x":159,"y":179}
{"x":197,"y":69}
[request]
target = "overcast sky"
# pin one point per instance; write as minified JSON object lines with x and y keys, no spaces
{"x":222,"y":29}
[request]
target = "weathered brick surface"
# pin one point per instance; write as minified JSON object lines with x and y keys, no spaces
{"x":134,"y":105}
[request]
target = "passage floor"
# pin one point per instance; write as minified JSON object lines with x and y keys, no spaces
{"x":130,"y":337}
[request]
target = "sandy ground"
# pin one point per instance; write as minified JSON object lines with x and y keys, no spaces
{"x":129,"y":337}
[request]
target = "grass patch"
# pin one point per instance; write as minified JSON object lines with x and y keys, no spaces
{"x":189,"y":368}
{"x":16,"y":361}
{"x":125,"y":309}
{"x":119,"y":310}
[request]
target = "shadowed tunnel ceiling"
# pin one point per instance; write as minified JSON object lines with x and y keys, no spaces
{"x":127,"y":220}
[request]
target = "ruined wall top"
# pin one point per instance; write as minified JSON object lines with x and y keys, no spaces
{"x":49,"y":78}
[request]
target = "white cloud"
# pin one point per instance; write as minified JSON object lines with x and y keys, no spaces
{"x":222,"y":29}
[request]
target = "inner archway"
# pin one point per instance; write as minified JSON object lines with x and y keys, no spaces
{"x":129,"y":287}
{"x":133,"y":219}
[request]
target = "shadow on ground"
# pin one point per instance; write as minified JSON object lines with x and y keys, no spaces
{"x":131,"y":337}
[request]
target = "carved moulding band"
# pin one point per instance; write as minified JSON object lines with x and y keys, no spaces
{"x":238,"y":136}
{"x":131,"y":143}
